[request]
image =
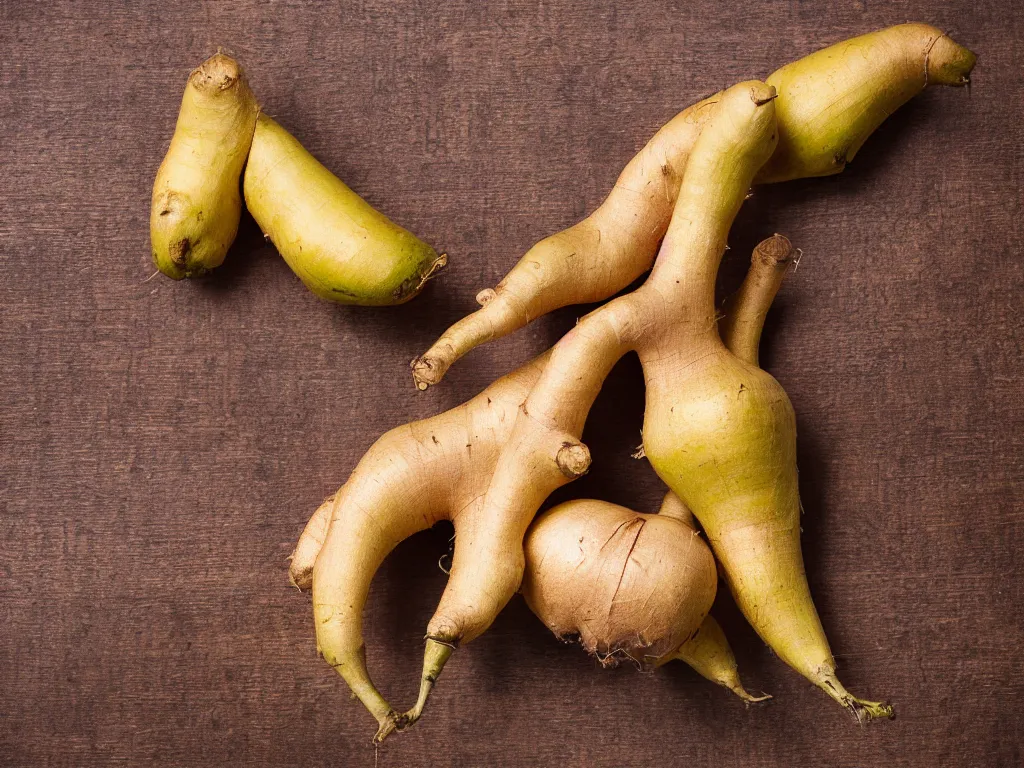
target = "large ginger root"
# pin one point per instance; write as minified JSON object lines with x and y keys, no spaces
{"x":439,"y":468}
{"x":338,"y":244}
{"x":196,"y":206}
{"x":829,"y":103}
{"x":589,"y":575}
{"x":717,"y":429}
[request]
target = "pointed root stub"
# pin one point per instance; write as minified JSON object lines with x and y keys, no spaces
{"x":747,"y":697}
{"x":774,"y":251}
{"x":948,"y":63}
{"x":217,"y":73}
{"x":427,"y":371}
{"x":435,"y":656}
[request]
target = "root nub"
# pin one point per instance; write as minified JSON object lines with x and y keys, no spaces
{"x":573,"y":459}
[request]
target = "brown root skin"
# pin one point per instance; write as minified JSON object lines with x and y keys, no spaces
{"x":830,"y":102}
{"x":628,"y":585}
{"x":196,"y":205}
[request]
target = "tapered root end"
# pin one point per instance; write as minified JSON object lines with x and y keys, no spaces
{"x":864,"y":711}
{"x":435,"y":656}
{"x":948,"y":63}
{"x":388,"y":725}
{"x":217,"y":73}
{"x":411,"y":287}
{"x":748,"y":698}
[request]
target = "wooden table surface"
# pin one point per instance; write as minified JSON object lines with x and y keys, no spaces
{"x":162,"y":444}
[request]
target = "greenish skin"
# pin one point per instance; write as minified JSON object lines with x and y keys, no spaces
{"x":831,"y":101}
{"x":338,"y":244}
{"x":196,"y":206}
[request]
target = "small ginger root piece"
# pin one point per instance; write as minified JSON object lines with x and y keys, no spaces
{"x":342,"y":248}
{"x":829,"y":103}
{"x":718,"y":430}
{"x":196,"y":205}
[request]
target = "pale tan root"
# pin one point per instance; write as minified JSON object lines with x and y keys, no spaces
{"x":411,"y":478}
{"x":590,"y":260}
{"x":831,"y":101}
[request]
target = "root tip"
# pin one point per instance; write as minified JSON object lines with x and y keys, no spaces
{"x":426,"y":371}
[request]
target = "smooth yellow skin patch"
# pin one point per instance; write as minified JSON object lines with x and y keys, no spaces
{"x":196,"y":203}
{"x":338,"y":244}
{"x":832,"y":100}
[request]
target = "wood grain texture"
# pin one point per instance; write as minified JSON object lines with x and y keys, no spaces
{"x":162,"y":444}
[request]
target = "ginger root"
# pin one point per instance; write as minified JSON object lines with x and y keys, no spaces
{"x":338,"y":244}
{"x":196,"y":205}
{"x":829,"y":103}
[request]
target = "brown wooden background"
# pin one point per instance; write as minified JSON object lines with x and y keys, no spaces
{"x":162,"y":444}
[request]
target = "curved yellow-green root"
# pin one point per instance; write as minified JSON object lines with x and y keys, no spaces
{"x":338,"y":244}
{"x":832,"y":100}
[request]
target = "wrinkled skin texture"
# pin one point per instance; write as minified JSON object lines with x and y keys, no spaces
{"x":829,"y":103}
{"x":338,"y":244}
{"x":196,"y":206}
